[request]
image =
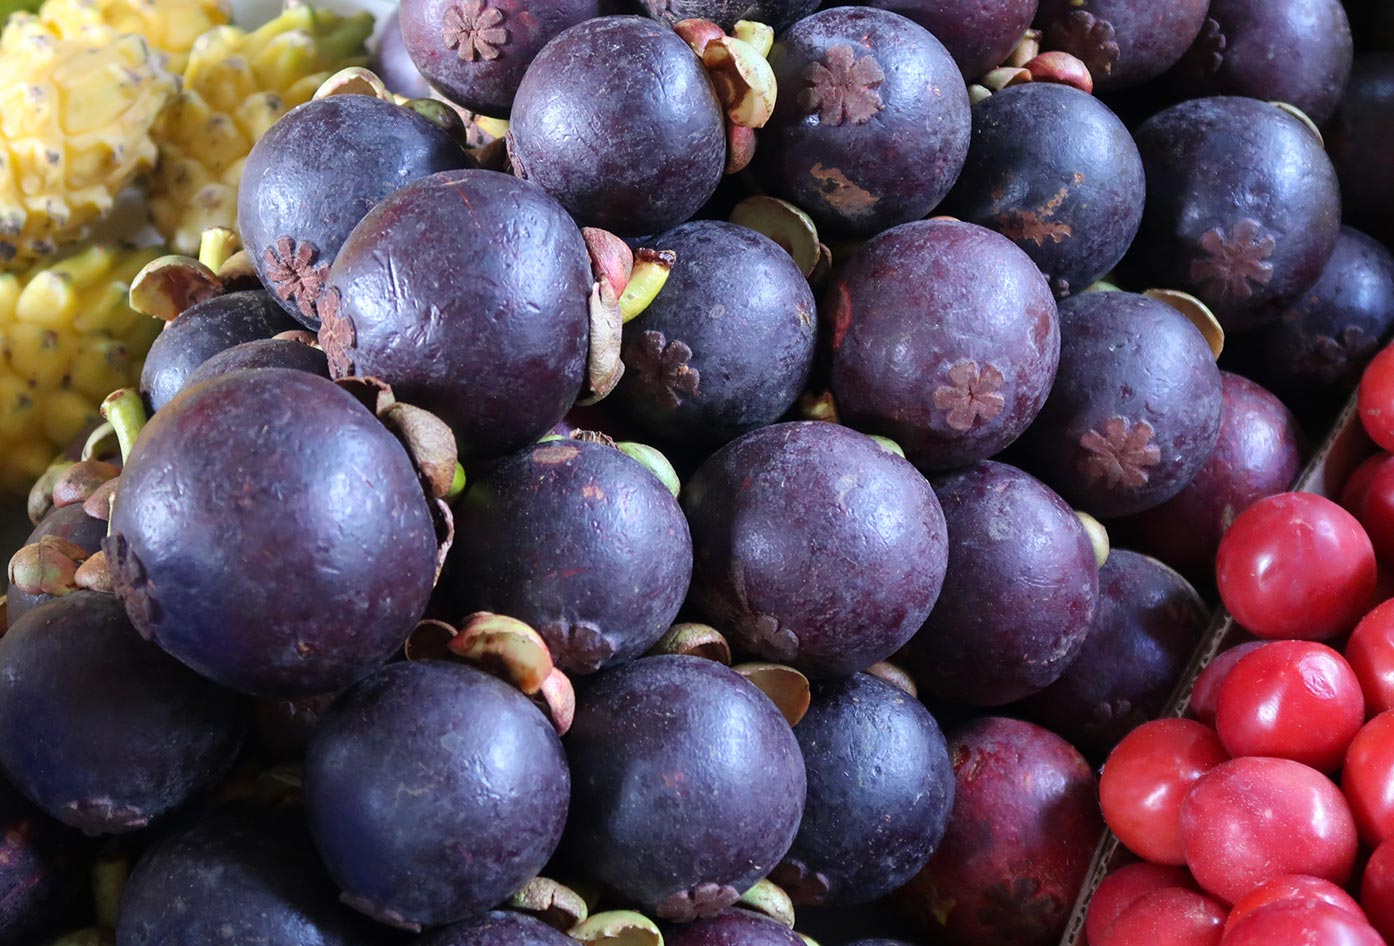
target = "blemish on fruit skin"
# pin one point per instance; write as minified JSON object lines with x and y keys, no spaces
{"x":556,"y":455}
{"x":593,"y":492}
{"x":840,"y":191}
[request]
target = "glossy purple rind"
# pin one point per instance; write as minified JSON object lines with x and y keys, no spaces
{"x":1057,"y":173}
{"x":1020,"y":590}
{"x":1122,"y":42}
{"x":979,"y":34}
{"x":66,"y":522}
{"x":434,"y":791}
{"x":467,"y":292}
{"x":944,"y":338}
{"x":1360,"y":138}
{"x":41,"y":864}
{"x":146,"y":735}
{"x":272,"y":534}
{"x":392,"y":63}
{"x":1135,"y":409}
{"x":497,"y":928}
{"x":638,"y":158}
{"x":859,"y":526}
{"x":871,"y":124}
{"x":687,"y":785}
{"x":262,"y":353}
{"x":581,"y":542}
{"x":732,"y":928}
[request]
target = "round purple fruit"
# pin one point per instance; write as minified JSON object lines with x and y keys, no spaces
{"x":272,"y":534}
{"x":880,"y":789}
{"x":617,"y":119}
{"x":392,"y":63}
{"x":944,"y":338}
{"x":812,"y":500}
{"x":146,"y":735}
{"x":579,"y":541}
{"x":1361,"y":135}
{"x":1135,"y":410}
{"x":497,"y":928}
{"x":434,"y":791}
{"x":688,"y":785}
{"x":40,"y":864}
{"x":733,"y":928}
{"x":979,"y":34}
{"x":726,"y":347}
{"x":263,"y":353}
{"x":313,"y":176}
{"x":1020,"y":590}
{"x":467,"y":292}
{"x":872,"y":122}
{"x":1122,"y":42}
{"x":1242,"y":209}
{"x":1056,"y":172}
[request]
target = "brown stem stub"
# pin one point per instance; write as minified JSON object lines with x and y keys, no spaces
{"x":895,"y":676}
{"x":429,"y":441}
{"x":694,"y":640}
{"x":80,"y":481}
{"x":553,"y":903}
{"x":98,"y":505}
{"x":298,"y":335}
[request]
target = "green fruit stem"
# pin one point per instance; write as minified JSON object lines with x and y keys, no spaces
{"x":654,"y":461}
{"x":651,"y":269}
{"x":125,"y":411}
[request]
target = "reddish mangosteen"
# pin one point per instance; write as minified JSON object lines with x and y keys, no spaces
{"x":1148,"y":621}
{"x":1024,"y":827}
{"x":1135,"y":410}
{"x":1259,"y":452}
{"x":639,"y":157}
{"x":1242,"y":210}
{"x":40,"y":868}
{"x":859,"y":525}
{"x":726,"y":347}
{"x":1360,"y":136}
{"x":872,"y":122}
{"x":434,"y":791}
{"x":687,"y":785}
{"x":313,"y":176}
{"x":496,"y":928}
{"x":880,"y":788}
{"x":1123,"y":42}
{"x":392,"y":63}
{"x":944,"y":338}
{"x":263,"y":353}
{"x":979,"y":34}
{"x":732,"y":928}
{"x":467,"y":292}
{"x":1057,"y":173}
{"x":1021,"y":589}
{"x":147,"y":735}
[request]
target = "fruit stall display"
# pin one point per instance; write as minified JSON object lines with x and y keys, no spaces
{"x":915,"y":473}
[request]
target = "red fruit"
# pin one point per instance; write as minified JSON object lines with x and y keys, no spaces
{"x":1205,"y":693}
{"x":1296,"y":565}
{"x":1172,"y":917}
{"x":1294,"y":700}
{"x":1147,"y":777}
{"x":1377,"y":511}
{"x":1377,"y":399}
{"x":1368,"y":779}
{"x":1353,"y":493}
{"x":1377,"y":889}
{"x":1370,"y":652}
{"x":1124,"y":887}
{"x":1253,"y":819}
{"x":1292,"y":887}
{"x":1300,"y":923}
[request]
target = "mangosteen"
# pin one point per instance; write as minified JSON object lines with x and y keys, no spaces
{"x":727,"y":345}
{"x":1135,"y":410}
{"x":979,"y":34}
{"x":146,"y":735}
{"x":880,"y":789}
{"x":392,"y":63}
{"x":1056,"y":172}
{"x":467,"y":292}
{"x":687,"y":785}
{"x":272,"y":534}
{"x":733,"y":928}
{"x":263,"y":353}
{"x":617,"y":119}
{"x":1242,"y":210}
{"x":1021,"y":588}
{"x":1122,"y":42}
{"x":434,"y":791}
{"x":858,"y":525}
{"x":41,"y":865}
{"x":871,"y":125}
{"x":314,"y":174}
{"x":498,"y":928}
{"x":1360,"y":137}
{"x":944,"y":338}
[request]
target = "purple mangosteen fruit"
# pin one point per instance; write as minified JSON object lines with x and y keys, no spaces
{"x":40,"y":867}
{"x":777,"y":14}
{"x":979,"y":34}
{"x":732,"y":928}
{"x":1360,"y":137}
{"x":944,"y":338}
{"x":1057,"y":173}
{"x":1258,"y":453}
{"x":272,"y":534}
{"x":1148,"y":621}
{"x":70,"y":523}
{"x":880,"y":788}
{"x":1243,"y":207}
{"x":871,"y":125}
{"x":497,"y":928}
{"x":392,"y":63}
{"x":146,"y":736}
{"x":434,"y":791}
{"x":467,"y":292}
{"x":687,"y":785}
{"x":1135,"y":410}
{"x":263,"y":353}
{"x":858,"y":525}
{"x":1122,"y":42}
{"x":617,"y":119}
{"x":1020,"y":591}
{"x":315,"y":173}
{"x":727,"y":346}
{"x":202,"y":331}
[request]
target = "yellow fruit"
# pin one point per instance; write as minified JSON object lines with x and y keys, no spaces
{"x":75,"y":118}
{"x":171,"y":26}
{"x":235,"y":86}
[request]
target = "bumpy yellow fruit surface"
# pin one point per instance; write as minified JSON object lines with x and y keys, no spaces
{"x":236,"y":85}
{"x":67,"y":340}
{"x":171,"y":26}
{"x":75,"y":120}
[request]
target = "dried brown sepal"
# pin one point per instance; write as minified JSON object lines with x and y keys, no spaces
{"x":743,"y":80}
{"x":47,"y":567}
{"x":505,"y":647}
{"x":40,"y":501}
{"x":552,"y":902}
{"x":823,"y":267}
{"x":94,"y":574}
{"x":612,"y":260}
{"x":603,"y":365}
{"x":786,"y":687}
{"x":1098,"y":536}
{"x":557,"y":699}
{"x":98,"y":505}
{"x":1303,"y":117}
{"x":110,"y":871}
{"x":694,"y":640}
{"x":1196,"y":312}
{"x":816,"y":406}
{"x":355,"y":80}
{"x":617,"y":928}
{"x":783,"y":223}
{"x":895,"y":676}
{"x":698,"y":33}
{"x":1026,"y":49}
{"x":80,"y":481}
{"x":372,"y":392}
{"x":978,"y":93}
{"x":167,"y":286}
{"x":429,"y":441}
{"x":768,"y":898}
{"x":493,"y":156}
{"x":1003,"y":76}
{"x":740,"y":147}
{"x":300,"y":335}
{"x":429,"y":640}
{"x":760,"y":36}
{"x":1062,"y":68}
{"x":445,"y":533}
